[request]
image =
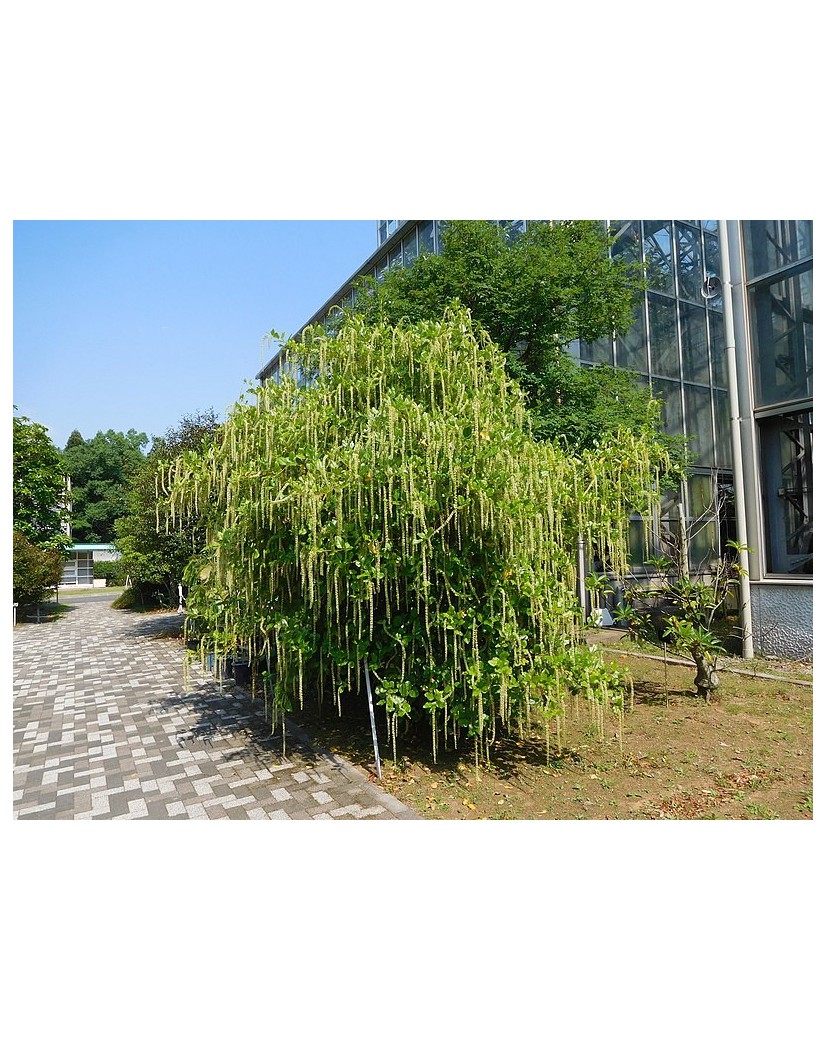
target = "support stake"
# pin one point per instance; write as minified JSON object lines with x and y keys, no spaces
{"x":372,"y":719}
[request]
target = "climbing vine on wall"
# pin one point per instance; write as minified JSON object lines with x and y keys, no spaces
{"x":395,"y":510}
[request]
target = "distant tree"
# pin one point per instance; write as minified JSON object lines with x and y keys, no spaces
{"x":155,"y":559}
{"x":39,"y":488}
{"x":34,"y":570}
{"x":101,"y":469}
{"x":534,"y":293}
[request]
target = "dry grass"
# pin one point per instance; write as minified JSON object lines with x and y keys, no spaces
{"x":746,"y":757}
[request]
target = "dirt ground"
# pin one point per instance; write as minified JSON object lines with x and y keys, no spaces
{"x":747,"y":756}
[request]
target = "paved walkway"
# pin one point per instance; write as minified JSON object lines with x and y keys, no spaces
{"x":107,"y":727}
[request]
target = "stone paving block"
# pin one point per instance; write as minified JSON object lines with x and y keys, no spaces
{"x":128,"y":736}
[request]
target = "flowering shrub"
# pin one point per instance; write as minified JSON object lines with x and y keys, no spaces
{"x":393,"y":508}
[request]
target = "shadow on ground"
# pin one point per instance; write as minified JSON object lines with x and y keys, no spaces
{"x":158,"y":626}
{"x":653,"y":693}
{"x":234,"y":713}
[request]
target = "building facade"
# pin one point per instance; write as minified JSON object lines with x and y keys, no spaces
{"x":773,"y":328}
{"x":677,"y":347}
{"x":79,"y":569}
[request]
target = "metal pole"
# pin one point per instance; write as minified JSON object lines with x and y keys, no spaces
{"x":581,"y":568}
{"x":736,"y":441}
{"x":372,"y":719}
{"x":683,"y":550}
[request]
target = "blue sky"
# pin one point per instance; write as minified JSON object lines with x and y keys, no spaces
{"x":133,"y":324}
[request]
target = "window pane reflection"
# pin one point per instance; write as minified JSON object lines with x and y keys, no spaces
{"x":668,"y":393}
{"x":699,"y":495}
{"x":409,"y":249}
{"x":719,"y":369}
{"x":771,"y":244}
{"x":598,"y":352}
{"x":782,"y":321}
{"x":712,"y":267}
{"x":631,"y":351}
{"x":659,"y":265}
{"x":702,"y":549}
{"x":788,"y":494}
{"x":426,"y":242}
{"x":689,"y":263}
{"x":627,"y":244}
{"x":662,"y":321}
{"x":695,"y":345}
{"x":722,"y":427}
{"x":698,"y":424}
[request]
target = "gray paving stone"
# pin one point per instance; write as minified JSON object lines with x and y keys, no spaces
{"x":107,"y":726}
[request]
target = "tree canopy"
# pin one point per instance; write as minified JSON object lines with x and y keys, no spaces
{"x":39,"y":488}
{"x":534,"y":294}
{"x":153,"y":557}
{"x":101,"y":468}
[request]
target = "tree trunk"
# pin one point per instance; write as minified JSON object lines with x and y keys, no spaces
{"x":707,"y":678}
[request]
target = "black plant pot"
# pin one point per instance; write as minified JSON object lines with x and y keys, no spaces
{"x":241,"y":672}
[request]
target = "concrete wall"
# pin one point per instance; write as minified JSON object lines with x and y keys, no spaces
{"x":105,"y":555}
{"x":782,"y":620}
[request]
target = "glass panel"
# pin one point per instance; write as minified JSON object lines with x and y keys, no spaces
{"x":426,"y":242}
{"x":382,"y":231}
{"x":381,"y":268}
{"x":689,"y":263}
{"x":85,"y":568}
{"x":695,"y":343}
{"x":409,"y":249}
{"x":781,"y":314}
{"x":788,"y":495}
{"x":659,"y":262}
{"x":722,"y":427}
{"x":438,"y":235}
{"x":631,"y":351}
{"x":513,"y":229}
{"x":717,"y":328}
{"x":627,"y":243}
{"x":395,"y":256}
{"x":699,"y":424}
{"x":709,"y":225}
{"x":712,"y":248}
{"x":599,"y":352}
{"x":702,"y":547}
{"x":662,"y":325}
{"x":728,"y":521}
{"x":669,"y":500}
{"x":770,"y":244}
{"x":699,"y":495}
{"x":637,"y":551}
{"x":668,"y":392}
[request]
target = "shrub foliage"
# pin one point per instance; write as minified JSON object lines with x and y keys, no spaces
{"x":35,"y":570}
{"x":398,"y":513}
